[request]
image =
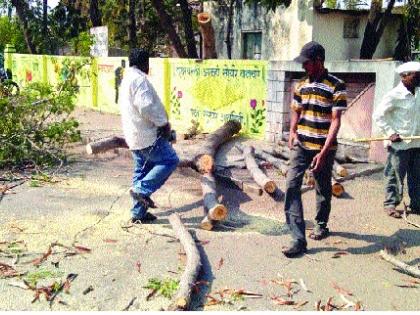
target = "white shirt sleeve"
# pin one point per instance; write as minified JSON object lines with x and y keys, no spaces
{"x":383,"y":115}
{"x":149,"y":105}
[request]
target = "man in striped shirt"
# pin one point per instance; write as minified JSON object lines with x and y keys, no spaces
{"x":318,"y":102}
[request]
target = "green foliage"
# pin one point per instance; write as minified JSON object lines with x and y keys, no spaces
{"x":34,"y":277}
{"x":35,"y":125}
{"x":81,"y":44}
{"x":10,"y":33}
{"x":270,"y":4}
{"x":166,"y":287}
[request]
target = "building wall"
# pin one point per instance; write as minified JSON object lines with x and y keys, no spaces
{"x":285,"y":31}
{"x":328,"y":30}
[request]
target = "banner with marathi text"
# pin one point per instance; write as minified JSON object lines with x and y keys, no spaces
{"x":212,"y":92}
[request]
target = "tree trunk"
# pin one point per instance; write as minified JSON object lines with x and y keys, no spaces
{"x":228,"y":40}
{"x":189,"y":276}
{"x":45,"y":25}
{"x":132,"y":37}
{"x":95,"y":13}
{"x":188,"y":29}
{"x":22,"y":13}
{"x":167,"y":24}
{"x":207,"y":33}
{"x":375,"y":27}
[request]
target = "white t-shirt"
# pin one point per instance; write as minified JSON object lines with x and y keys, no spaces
{"x":141,"y":110}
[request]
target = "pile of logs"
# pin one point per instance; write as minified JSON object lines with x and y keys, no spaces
{"x":200,"y":157}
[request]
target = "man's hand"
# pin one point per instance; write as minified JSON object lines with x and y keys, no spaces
{"x":395,"y":138}
{"x":318,"y":162}
{"x":164,"y":131}
{"x":292,"y":137}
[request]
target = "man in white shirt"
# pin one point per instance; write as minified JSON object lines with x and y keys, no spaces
{"x":147,"y":133}
{"x":398,"y":115}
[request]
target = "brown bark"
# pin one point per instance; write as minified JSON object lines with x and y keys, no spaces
{"x":375,"y":27}
{"x":207,"y":33}
{"x":183,"y":296}
{"x":22,"y":13}
{"x":95,"y":13}
{"x":212,"y":208}
{"x":106,"y":144}
{"x":228,"y":39}
{"x":260,"y":178}
{"x":132,"y":36}
{"x":277,"y":163}
{"x":188,"y":29}
{"x":168,"y":25}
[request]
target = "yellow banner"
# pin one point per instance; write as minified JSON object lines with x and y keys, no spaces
{"x":212,"y":92}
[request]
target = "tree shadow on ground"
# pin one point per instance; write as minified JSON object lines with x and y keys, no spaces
{"x":403,"y":238}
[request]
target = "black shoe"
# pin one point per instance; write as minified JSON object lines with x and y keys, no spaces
{"x":294,"y":250}
{"x":148,"y":217}
{"x":144,"y":200}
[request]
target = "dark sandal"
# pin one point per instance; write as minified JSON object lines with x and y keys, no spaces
{"x":392,"y":212}
{"x":319,"y":234}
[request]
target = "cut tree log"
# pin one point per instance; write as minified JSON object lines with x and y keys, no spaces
{"x":277,"y":163}
{"x":204,"y":161}
{"x":207,"y":32}
{"x":207,"y":224}
{"x":337,"y":188}
{"x":189,"y":277}
{"x":411,"y":270}
{"x":106,"y":144}
{"x":260,"y":178}
{"x":213,"y":209}
{"x":340,"y":170}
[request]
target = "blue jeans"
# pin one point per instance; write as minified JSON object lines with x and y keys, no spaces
{"x":300,"y":160}
{"x":399,"y":164}
{"x":152,"y":167}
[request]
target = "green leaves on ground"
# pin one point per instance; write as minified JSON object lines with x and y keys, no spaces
{"x":166,"y":287}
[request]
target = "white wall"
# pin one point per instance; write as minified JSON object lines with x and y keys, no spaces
{"x":328,"y":30}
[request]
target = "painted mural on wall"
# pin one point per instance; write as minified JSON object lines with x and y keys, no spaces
{"x":74,"y":70}
{"x":215,"y":91}
{"x":27,"y":69}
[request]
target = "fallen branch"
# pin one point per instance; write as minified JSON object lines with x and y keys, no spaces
{"x":411,"y":270}
{"x":405,"y":217}
{"x":260,"y":178}
{"x":189,"y":277}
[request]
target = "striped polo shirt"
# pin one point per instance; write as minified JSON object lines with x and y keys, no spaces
{"x":317,"y":100}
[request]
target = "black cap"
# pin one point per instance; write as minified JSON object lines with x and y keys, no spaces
{"x":310,"y":51}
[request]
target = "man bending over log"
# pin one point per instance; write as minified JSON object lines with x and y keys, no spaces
{"x":317,"y":104}
{"x":147,"y":133}
{"x":398,"y":115}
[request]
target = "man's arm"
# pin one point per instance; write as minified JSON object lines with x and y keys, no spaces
{"x":293,"y":125}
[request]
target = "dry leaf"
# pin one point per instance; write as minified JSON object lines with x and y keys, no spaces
{"x":280,"y":301}
{"x":82,"y":249}
{"x":318,"y":305}
{"x":339,"y":254}
{"x":300,"y":304}
{"x":40,"y":260}
{"x":220,"y":264}
{"x":66,"y":286}
{"x":341,"y":290}
{"x":108,"y":240}
{"x":151,"y":294}
{"x":7,"y":271}
{"x":138,"y":266}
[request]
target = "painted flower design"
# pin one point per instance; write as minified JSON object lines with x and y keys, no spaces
{"x":179,"y":95}
{"x":263,"y":103}
{"x":253,"y":103}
